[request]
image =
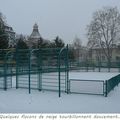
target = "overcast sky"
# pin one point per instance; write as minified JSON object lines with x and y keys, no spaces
{"x":65,"y":18}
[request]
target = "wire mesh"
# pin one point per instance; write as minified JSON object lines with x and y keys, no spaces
{"x":40,"y":69}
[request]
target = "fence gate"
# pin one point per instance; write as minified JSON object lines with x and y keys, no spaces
{"x":42,"y":69}
{"x":6,"y":66}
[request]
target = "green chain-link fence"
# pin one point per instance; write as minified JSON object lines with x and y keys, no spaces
{"x":41,"y":69}
{"x":46,"y":69}
{"x":95,"y":66}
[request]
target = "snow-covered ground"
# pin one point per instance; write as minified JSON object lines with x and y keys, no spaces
{"x":19,"y":101}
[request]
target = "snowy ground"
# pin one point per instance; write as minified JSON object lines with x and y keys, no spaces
{"x":19,"y":101}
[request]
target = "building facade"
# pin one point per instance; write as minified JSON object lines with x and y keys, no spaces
{"x":97,"y":56}
{"x":11,"y":35}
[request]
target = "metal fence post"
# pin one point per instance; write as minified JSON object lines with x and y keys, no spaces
{"x":67,"y":69}
{"x":59,"y":75}
{"x":106,"y":88}
{"x":17,"y":62}
{"x":59,"y":68}
{"x":5,"y":75}
{"x":29,"y":70}
{"x":99,"y":64}
{"x":40,"y":69}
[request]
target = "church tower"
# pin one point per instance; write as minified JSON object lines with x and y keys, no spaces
{"x":35,"y":37}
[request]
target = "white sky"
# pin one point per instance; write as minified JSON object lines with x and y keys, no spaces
{"x":65,"y":18}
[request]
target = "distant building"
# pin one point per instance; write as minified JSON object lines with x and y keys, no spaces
{"x":9,"y":32}
{"x":11,"y":35}
{"x":34,"y":38}
{"x":97,"y":55}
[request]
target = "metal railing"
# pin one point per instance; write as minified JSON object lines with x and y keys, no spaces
{"x":111,"y":84}
{"x":94,"y":87}
{"x":83,"y":86}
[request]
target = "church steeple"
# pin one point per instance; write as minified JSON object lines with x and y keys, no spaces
{"x":34,"y":37}
{"x":35,"y":33}
{"x":35,"y":27}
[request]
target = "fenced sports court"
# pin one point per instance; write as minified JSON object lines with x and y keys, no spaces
{"x":49,"y":69}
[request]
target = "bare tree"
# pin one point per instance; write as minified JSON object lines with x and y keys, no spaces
{"x":77,"y":44}
{"x":104,"y":30}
